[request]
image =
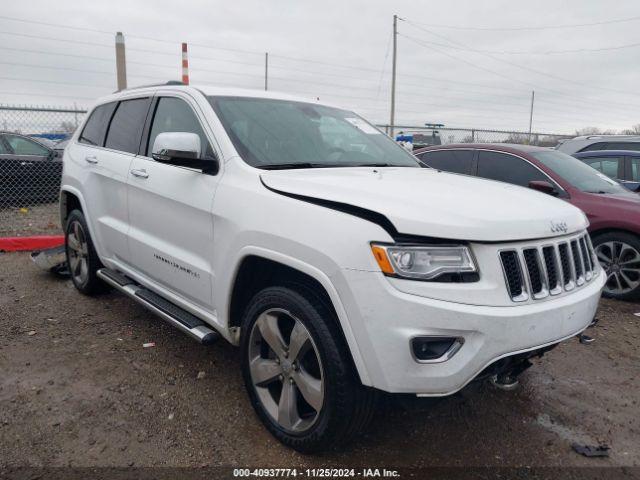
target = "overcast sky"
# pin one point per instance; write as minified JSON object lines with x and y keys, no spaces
{"x":339,"y":51}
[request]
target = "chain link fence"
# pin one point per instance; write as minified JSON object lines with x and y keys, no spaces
{"x":32,"y":140}
{"x":423,"y":136}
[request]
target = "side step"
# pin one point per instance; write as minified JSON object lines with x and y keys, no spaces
{"x":171,"y":313}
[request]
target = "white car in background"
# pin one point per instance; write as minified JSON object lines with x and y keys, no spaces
{"x":338,"y":264}
{"x":588,"y":143}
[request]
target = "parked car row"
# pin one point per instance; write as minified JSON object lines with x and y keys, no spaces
{"x":613,"y":211}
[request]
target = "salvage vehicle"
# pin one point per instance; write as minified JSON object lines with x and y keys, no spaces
{"x":613,"y":211}
{"x":337,"y":262}
{"x":30,"y":171}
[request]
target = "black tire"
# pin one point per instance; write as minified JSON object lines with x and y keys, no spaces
{"x":602,"y":244}
{"x":89,"y":283}
{"x":347,"y":405}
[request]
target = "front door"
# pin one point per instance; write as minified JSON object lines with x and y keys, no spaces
{"x":171,"y":225}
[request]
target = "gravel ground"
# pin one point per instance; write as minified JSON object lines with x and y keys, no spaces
{"x":78,"y":389}
{"x":33,"y":220}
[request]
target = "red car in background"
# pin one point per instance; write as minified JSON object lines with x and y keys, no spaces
{"x":613,"y":211}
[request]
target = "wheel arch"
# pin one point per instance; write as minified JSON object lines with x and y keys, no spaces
{"x":602,"y":231}
{"x":259,"y":268}
{"x":70,"y":199}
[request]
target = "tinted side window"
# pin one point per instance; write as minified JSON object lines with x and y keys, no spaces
{"x":23,"y":146}
{"x":3,"y":147}
{"x":635,"y":169}
{"x":175,"y":115}
{"x":126,"y":126}
{"x":456,"y":161}
{"x":635,"y":146}
{"x":508,"y":168}
{"x":595,"y":146}
{"x":606,"y":165}
{"x":96,"y":127}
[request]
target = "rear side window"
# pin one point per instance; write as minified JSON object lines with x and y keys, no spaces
{"x":635,"y":169}
{"x":456,"y":161}
{"x":508,"y":168}
{"x":95,"y":129}
{"x":635,"y":146}
{"x":3,"y":147}
{"x":606,"y":165}
{"x":126,"y":126}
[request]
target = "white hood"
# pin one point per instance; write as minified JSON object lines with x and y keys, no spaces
{"x":426,"y":202}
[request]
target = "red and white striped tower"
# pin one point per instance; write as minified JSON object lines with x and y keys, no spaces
{"x":185,"y":65}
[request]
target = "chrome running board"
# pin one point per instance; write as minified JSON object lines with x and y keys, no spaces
{"x":169,"y":312}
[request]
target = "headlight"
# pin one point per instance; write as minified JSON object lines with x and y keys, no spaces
{"x":423,"y":262}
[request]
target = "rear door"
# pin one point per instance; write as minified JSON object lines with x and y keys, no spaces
{"x":30,"y":174}
{"x":106,"y":147}
{"x":171,"y":236}
{"x":505,"y":167}
{"x":455,"y":161}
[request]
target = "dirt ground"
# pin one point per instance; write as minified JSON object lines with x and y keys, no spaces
{"x":31,"y":220}
{"x":77,"y":388}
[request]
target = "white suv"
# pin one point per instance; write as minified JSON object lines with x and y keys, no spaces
{"x":337,"y":263}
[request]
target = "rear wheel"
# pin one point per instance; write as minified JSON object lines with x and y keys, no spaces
{"x":298,"y":372}
{"x":619,"y":255}
{"x":82,"y":259}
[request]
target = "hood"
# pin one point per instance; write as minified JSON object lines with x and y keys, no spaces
{"x":427,"y":202}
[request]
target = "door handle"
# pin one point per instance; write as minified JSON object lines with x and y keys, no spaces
{"x":142,"y":173}
{"x":92,"y":159}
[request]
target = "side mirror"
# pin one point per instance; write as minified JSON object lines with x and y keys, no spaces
{"x":183,"y":150}
{"x":544,"y":187}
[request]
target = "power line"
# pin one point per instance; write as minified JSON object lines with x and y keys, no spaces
{"x":29,"y":80}
{"x":39,"y":37}
{"x":543,"y":52}
{"x":31,"y":65}
{"x":42,"y":52}
{"x":523,"y":67}
{"x":542,"y":27}
{"x":34,"y":94}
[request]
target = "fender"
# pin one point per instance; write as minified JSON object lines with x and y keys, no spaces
{"x":326,"y":283}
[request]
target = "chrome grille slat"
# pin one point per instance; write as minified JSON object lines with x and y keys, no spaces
{"x":534,"y":272}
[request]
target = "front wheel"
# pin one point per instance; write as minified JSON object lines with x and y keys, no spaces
{"x":298,"y":372}
{"x":619,"y":255}
{"x":82,"y":259}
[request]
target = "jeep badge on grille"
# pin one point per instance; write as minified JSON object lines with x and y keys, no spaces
{"x":559,"y":227}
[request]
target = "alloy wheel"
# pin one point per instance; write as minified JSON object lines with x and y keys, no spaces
{"x":621,"y":263}
{"x":286,"y":370}
{"x":78,"y":252}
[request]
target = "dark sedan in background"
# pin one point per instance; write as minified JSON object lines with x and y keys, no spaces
{"x":613,"y":211}
{"x":621,"y":165}
{"x":30,"y":170}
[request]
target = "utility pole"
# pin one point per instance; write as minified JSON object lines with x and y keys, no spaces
{"x":533,"y":96}
{"x":393,"y":76}
{"x":266,"y":70}
{"x":121,"y":62}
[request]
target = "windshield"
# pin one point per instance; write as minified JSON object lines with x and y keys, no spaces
{"x":578,"y":174}
{"x":276,"y":134}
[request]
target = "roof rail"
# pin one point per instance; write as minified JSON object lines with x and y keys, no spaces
{"x":170,"y":82}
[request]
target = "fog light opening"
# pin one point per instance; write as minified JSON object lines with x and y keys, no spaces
{"x":435,"y":349}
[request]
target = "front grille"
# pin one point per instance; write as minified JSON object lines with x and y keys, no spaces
{"x":537,"y":271}
{"x":512,"y":273}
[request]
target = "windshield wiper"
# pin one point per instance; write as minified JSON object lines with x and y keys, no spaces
{"x":599,"y":192}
